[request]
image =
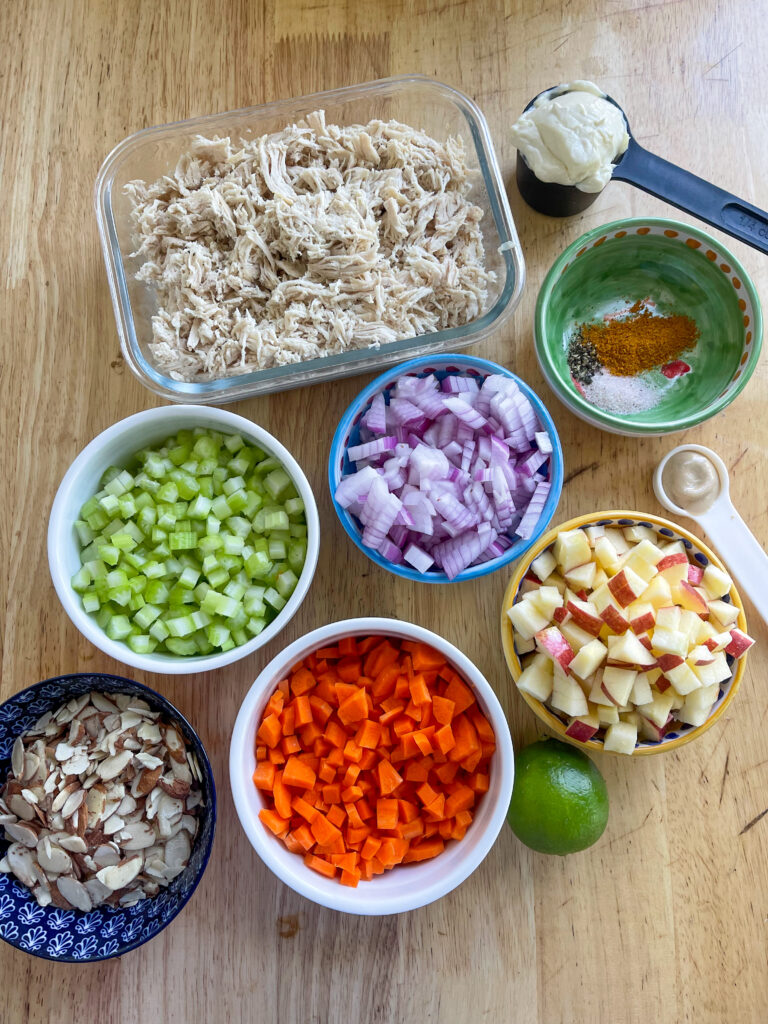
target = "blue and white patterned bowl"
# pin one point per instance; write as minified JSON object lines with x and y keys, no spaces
{"x":71,"y":936}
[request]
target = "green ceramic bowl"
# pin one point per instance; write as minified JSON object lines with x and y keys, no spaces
{"x":682,"y":270}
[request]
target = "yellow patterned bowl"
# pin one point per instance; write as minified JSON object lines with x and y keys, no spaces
{"x":669,"y":532}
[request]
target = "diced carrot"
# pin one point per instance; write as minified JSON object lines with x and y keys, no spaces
{"x":480,"y":782}
{"x":327,"y":772}
{"x":466,"y":738}
{"x":298,"y":773}
{"x":304,"y":808}
{"x":460,"y":800}
{"x":303,"y":836}
{"x":321,"y":709}
{"x":328,"y":653}
{"x":302,"y":711}
{"x":264,"y":776}
{"x":367,"y":736}
{"x":347,"y":647}
{"x":447,"y":772}
{"x":357,"y":836}
{"x":411,"y":829}
{"x":445,"y":739}
{"x":261,"y":752}
{"x":326,"y":690}
{"x":443,"y":709}
{"x":416,"y":772}
{"x":460,"y":694}
{"x":281,"y":796}
{"x":376,"y":866}
{"x":487,"y":749}
{"x":275,"y":703}
{"x":424,"y":850}
{"x":437,"y":807}
{"x":389,"y":778}
{"x":370,"y":848}
{"x":284,"y":687}
{"x":386,"y":813}
{"x":349,"y":669}
{"x":425,"y":658}
{"x":294,"y":846}
{"x":385,"y":682}
{"x":323,"y":867}
{"x":324,"y":831}
{"x":346,"y":861}
{"x":276,"y":756}
{"x":423,"y":741}
{"x":270,"y":730}
{"x":482,"y":726}
{"x":353,"y":816}
{"x":350,"y":878}
{"x":290,"y":745}
{"x":336,"y":757}
{"x":331,"y":793}
{"x":354,"y":708}
{"x":445,"y":827}
{"x":302,"y":681}
{"x":287,"y":721}
{"x":351,"y":794}
{"x":471,"y":761}
{"x":367,"y":759}
{"x":352,"y":752}
{"x":413,"y":710}
{"x":310,"y":733}
{"x":463,"y":818}
{"x":419,"y":690}
{"x":337,"y":815}
{"x":402,"y":688}
{"x":335,"y":734}
{"x":364,"y":809}
{"x":336,"y":845}
{"x":273,"y":821}
{"x":381,"y":656}
{"x":426,"y":794}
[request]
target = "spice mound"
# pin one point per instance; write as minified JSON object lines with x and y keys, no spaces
{"x":314,"y":240}
{"x":100,"y":805}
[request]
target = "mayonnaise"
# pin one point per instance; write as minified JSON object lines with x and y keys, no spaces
{"x":571,"y":135}
{"x":691,"y":481}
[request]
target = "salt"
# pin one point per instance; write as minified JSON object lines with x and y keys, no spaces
{"x":621,"y":395}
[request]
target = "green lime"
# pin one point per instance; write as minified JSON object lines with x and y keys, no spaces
{"x":559,"y":801}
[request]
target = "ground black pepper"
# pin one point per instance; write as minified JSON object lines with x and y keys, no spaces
{"x":582,"y":360}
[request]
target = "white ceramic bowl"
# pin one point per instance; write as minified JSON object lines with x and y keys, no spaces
{"x":115,"y":446}
{"x":405,"y":887}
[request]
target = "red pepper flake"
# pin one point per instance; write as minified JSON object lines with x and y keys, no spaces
{"x":675,"y":369}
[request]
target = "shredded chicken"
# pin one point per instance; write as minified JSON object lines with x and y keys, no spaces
{"x":311,"y":241}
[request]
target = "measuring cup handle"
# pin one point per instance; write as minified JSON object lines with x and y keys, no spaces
{"x":704,"y":200}
{"x":746,"y":559}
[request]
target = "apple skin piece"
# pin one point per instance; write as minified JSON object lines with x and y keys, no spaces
{"x":717,"y":672}
{"x":663,"y":684}
{"x":537,"y":678}
{"x":646,"y":641}
{"x":575,"y":635}
{"x":669,"y":641}
{"x":740,"y":643}
{"x":684,"y":679}
{"x":695,"y":575}
{"x":642,"y":616}
{"x":582,"y":577}
{"x":672,"y":558}
{"x":621,"y":738}
{"x":527,"y":619}
{"x":560,"y":615}
{"x":572,"y":549}
{"x":718,"y":641}
{"x":668,"y":661}
{"x":690,"y":598}
{"x":596,"y":695}
{"x":552,"y":642}
{"x":626,"y":586}
{"x":617,"y":684}
{"x":544,"y":565}
{"x":628,"y":649}
{"x":588,"y":660}
{"x":716,"y":582}
{"x":583,"y":729}
{"x":651,"y":731}
{"x":674,"y":568}
{"x":606,"y":555}
{"x":585,"y":615}
{"x":724,"y":613}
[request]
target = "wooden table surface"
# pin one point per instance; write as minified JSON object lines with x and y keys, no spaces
{"x":665,"y":918}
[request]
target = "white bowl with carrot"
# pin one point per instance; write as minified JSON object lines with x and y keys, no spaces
{"x":371,"y":766}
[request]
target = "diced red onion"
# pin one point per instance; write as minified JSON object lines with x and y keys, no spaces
{"x":365,"y":451}
{"x":418,"y":558}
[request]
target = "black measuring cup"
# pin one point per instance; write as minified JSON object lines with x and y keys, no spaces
{"x":659,"y":178}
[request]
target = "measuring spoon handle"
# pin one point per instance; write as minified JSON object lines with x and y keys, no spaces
{"x":704,"y":200}
{"x":745,"y":557}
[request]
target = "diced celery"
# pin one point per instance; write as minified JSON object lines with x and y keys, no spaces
{"x":286,"y":583}
{"x":189,"y":578}
{"x":277,"y":481}
{"x":233,"y":545}
{"x":277,"y":550}
{"x":297,"y":554}
{"x":258,"y":565}
{"x":274,"y":599}
{"x":123,"y":541}
{"x":277,"y":520}
{"x":220,"y":507}
{"x":127,"y":506}
{"x":217,"y":634}
{"x":199,"y":508}
{"x":84,"y":533}
{"x":219,"y":604}
{"x":118,"y":627}
{"x":81,"y":580}
{"x":238,"y":525}
{"x":294,"y":507}
{"x":91,"y":602}
{"x":183,"y":625}
{"x":159,"y":630}
{"x":255,"y":626}
{"x":146,"y":615}
{"x":234,"y":590}
{"x":232,"y":484}
{"x":182,"y":541}
{"x":177,"y":645}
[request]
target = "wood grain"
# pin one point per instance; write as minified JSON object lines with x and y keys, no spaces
{"x":665,"y":919}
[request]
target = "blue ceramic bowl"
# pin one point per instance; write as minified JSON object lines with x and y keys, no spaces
{"x":348,"y":434}
{"x":71,"y":936}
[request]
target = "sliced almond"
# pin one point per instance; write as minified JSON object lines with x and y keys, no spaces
{"x":120,"y":875}
{"x":106,"y":855}
{"x":22,"y":833}
{"x":52,"y":859}
{"x":175,"y":744}
{"x":30,"y":796}
{"x":102,"y":703}
{"x":31,"y":766}
{"x":17,"y":757}
{"x":174,"y":787}
{"x":77,"y":764}
{"x":74,"y":844}
{"x":72,"y":803}
{"x":21,"y":864}
{"x":64,"y":752}
{"x":75,"y":893}
{"x":63,"y":796}
{"x":20,"y":807}
{"x":112,"y":766}
{"x":113,"y":824}
{"x":149,"y":732}
{"x":148,"y":780}
{"x":137,"y":836}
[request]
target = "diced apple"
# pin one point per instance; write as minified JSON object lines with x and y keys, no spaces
{"x":609,"y":610}
{"x":674,"y":568}
{"x":716,"y":672}
{"x":582,"y":577}
{"x":716,"y":582}
{"x":572,"y":549}
{"x":606,"y":555}
{"x":601,"y":577}
{"x":527,"y":619}
{"x":740,"y":643}
{"x":626,"y":586}
{"x":658,"y":592}
{"x":658,"y":709}
{"x":698,"y":705}
{"x":568,"y":696}
{"x":528,"y":586}
{"x":677,"y":700}
{"x":536,"y":677}
{"x":583,"y":728}
{"x":559,"y":615}
{"x":634,"y":717}
{"x":695,"y":575}
{"x":637,"y":534}
{"x":667,"y":661}
{"x":672,"y":547}
{"x":596,"y":695}
{"x":689,"y":597}
{"x":523,"y":645}
{"x":641,"y":690}
{"x":607,"y":714}
{"x":617,"y":684}
{"x":701,"y":655}
{"x":588,"y":659}
{"x":668,"y":618}
{"x":544,"y":565}
{"x":669,"y":641}
{"x":662,"y":684}
{"x":683,"y":678}
{"x":556,"y":581}
{"x":642,"y":616}
{"x":585,"y":615}
{"x":724,"y":613}
{"x":617,"y":538}
{"x":645,"y":570}
{"x":628,"y":649}
{"x":546,"y":600}
{"x":593,"y":532}
{"x":650,"y":730}
{"x":690,"y":623}
{"x":575,"y":635}
{"x":718,"y":641}
{"x":552,"y":642}
{"x":621,"y":738}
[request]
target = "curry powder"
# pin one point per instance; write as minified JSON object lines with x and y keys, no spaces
{"x":641,"y":342}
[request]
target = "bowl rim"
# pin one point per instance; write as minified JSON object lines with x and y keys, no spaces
{"x":58,"y":536}
{"x":518,"y":549}
{"x":230,"y":389}
{"x":173,"y":712}
{"x":515,"y":667}
{"x":303,"y":880}
{"x":613,"y":422}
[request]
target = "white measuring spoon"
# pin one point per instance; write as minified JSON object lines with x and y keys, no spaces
{"x":746,"y":559}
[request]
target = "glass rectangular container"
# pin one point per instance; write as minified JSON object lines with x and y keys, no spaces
{"x":420,"y":101}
